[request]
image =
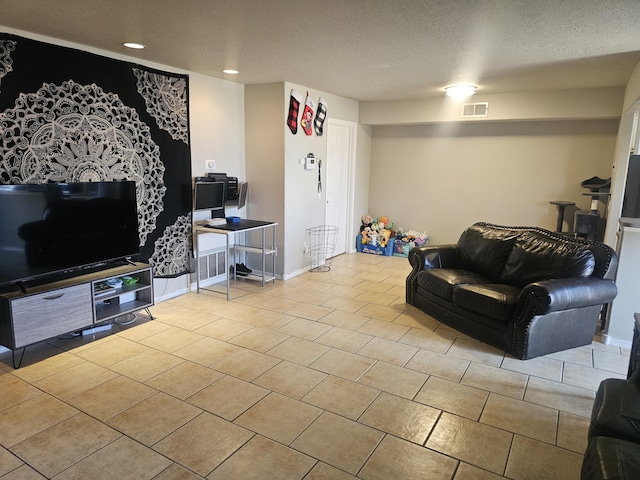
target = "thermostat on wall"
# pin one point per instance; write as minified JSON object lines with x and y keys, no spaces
{"x":310,"y":162}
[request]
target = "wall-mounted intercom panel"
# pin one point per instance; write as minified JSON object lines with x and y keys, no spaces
{"x":310,"y":162}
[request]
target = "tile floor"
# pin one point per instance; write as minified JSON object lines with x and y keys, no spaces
{"x":325,"y":376}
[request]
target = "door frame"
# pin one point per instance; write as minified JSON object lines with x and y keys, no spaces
{"x":351,"y":169}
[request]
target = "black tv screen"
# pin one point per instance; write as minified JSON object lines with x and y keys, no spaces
{"x":209,"y":196}
{"x":56,"y":228}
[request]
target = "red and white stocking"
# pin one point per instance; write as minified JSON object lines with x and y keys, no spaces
{"x":307,"y":115}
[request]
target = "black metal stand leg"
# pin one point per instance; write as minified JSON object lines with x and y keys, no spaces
{"x":13,"y":358}
{"x":148,"y":312}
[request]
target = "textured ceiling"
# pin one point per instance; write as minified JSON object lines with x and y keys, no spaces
{"x":361,"y":49}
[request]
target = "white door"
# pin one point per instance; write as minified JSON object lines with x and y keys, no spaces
{"x":338,"y":160}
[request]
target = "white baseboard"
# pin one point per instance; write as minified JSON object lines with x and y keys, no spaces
{"x":616,"y":342}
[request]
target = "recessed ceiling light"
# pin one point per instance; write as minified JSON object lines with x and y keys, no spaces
{"x":137,"y":46}
{"x":460,"y":91}
{"x":230,"y":71}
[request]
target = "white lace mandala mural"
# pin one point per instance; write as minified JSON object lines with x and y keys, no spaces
{"x":79,"y":133}
{"x":166,"y":101}
{"x":6,"y":47}
{"x":172,"y":250}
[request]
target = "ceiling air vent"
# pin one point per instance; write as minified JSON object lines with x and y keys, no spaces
{"x":475,"y":110}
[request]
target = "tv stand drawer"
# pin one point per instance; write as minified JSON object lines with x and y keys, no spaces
{"x":45,"y":315}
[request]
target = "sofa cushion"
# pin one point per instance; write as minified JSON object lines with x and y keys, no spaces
{"x":441,"y":281}
{"x":494,"y":300}
{"x":535,"y":257}
{"x":485,"y":250}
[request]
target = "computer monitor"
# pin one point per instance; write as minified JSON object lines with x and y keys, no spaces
{"x":209,"y":196}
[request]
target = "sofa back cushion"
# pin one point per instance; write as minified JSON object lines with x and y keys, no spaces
{"x":485,"y":250}
{"x":535,"y":257}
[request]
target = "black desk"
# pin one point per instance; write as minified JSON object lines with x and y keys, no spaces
{"x":230,"y":230}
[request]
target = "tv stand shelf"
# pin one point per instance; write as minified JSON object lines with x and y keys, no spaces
{"x":72,"y":304}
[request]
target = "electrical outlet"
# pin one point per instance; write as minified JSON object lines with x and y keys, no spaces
{"x":210,"y":164}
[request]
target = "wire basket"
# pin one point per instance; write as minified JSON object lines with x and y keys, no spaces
{"x":322,"y":244}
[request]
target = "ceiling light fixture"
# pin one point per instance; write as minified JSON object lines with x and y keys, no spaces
{"x":137,"y":46}
{"x":230,"y":71}
{"x":460,"y":91}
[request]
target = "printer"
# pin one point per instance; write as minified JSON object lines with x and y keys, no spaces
{"x":230,"y":183}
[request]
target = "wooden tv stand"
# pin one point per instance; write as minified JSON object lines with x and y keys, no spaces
{"x":72,"y":304}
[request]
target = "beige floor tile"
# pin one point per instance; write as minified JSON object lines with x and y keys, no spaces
{"x":322,"y":471}
{"x":572,"y":432}
{"x":580,"y":355}
{"x":497,"y":380}
{"x":177,"y":472}
{"x":203,"y":443}
{"x":236,"y":311}
{"x":379,"y":312}
{"x":310,"y":297}
{"x":290,"y":379}
{"x":171,"y":339}
{"x":276,"y":304}
{"x":228,"y":397}
{"x":184,"y":379}
{"x":8,"y":461}
{"x":343,"y":364}
{"x":543,"y":367}
{"x":476,"y":352}
{"x":123,"y":458}
{"x":344,"y":339}
{"x":309,"y":311}
{"x":397,"y":458}
{"x":306,"y":329}
{"x":427,"y":340}
{"x":224,"y":329}
{"x":453,"y":397}
{"x":393,"y":379}
{"x":521,"y":417}
{"x":341,"y":396}
{"x":57,"y":448}
{"x":113,"y":351}
{"x":559,"y":396}
{"x":388,"y":351}
{"x":611,"y":362}
{"x":530,"y":459}
{"x":373,"y":286}
{"x":346,"y":320}
{"x":47,"y":366}
{"x":298,"y":350}
{"x":384,"y":329}
{"x":472,"y":442}
{"x":75,"y":380}
{"x":30,"y":417}
{"x":470,"y":472}
{"x":261,"y":458}
{"x":206,"y":351}
{"x":147,"y":329}
{"x":315,"y":284}
{"x":375,"y":298}
{"x":443,"y":366}
{"x":24,"y":472}
{"x":400,"y":417}
{"x":154,"y":418}
{"x":414,"y":318}
{"x":345,"y":279}
{"x":343,"y":304}
{"x":15,"y":391}
{"x":191,"y":320}
{"x":259,"y":339}
{"x":268,"y":319}
{"x":279,"y":418}
{"x":246,"y":364}
{"x":338,"y":441}
{"x":146,"y":365}
{"x":585,"y":377}
{"x":112,"y":397}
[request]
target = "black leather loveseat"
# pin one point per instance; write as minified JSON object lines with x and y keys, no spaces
{"x":524,"y":290}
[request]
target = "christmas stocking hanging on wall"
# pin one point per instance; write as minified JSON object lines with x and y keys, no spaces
{"x":321,"y":115}
{"x":307,"y":115}
{"x":294,"y":106}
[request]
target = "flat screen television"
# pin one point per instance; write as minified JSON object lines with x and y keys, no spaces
{"x":209,"y":196}
{"x":57,"y":228}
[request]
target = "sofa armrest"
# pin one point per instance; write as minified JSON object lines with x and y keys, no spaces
{"x":565,"y":293}
{"x":436,"y":256}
